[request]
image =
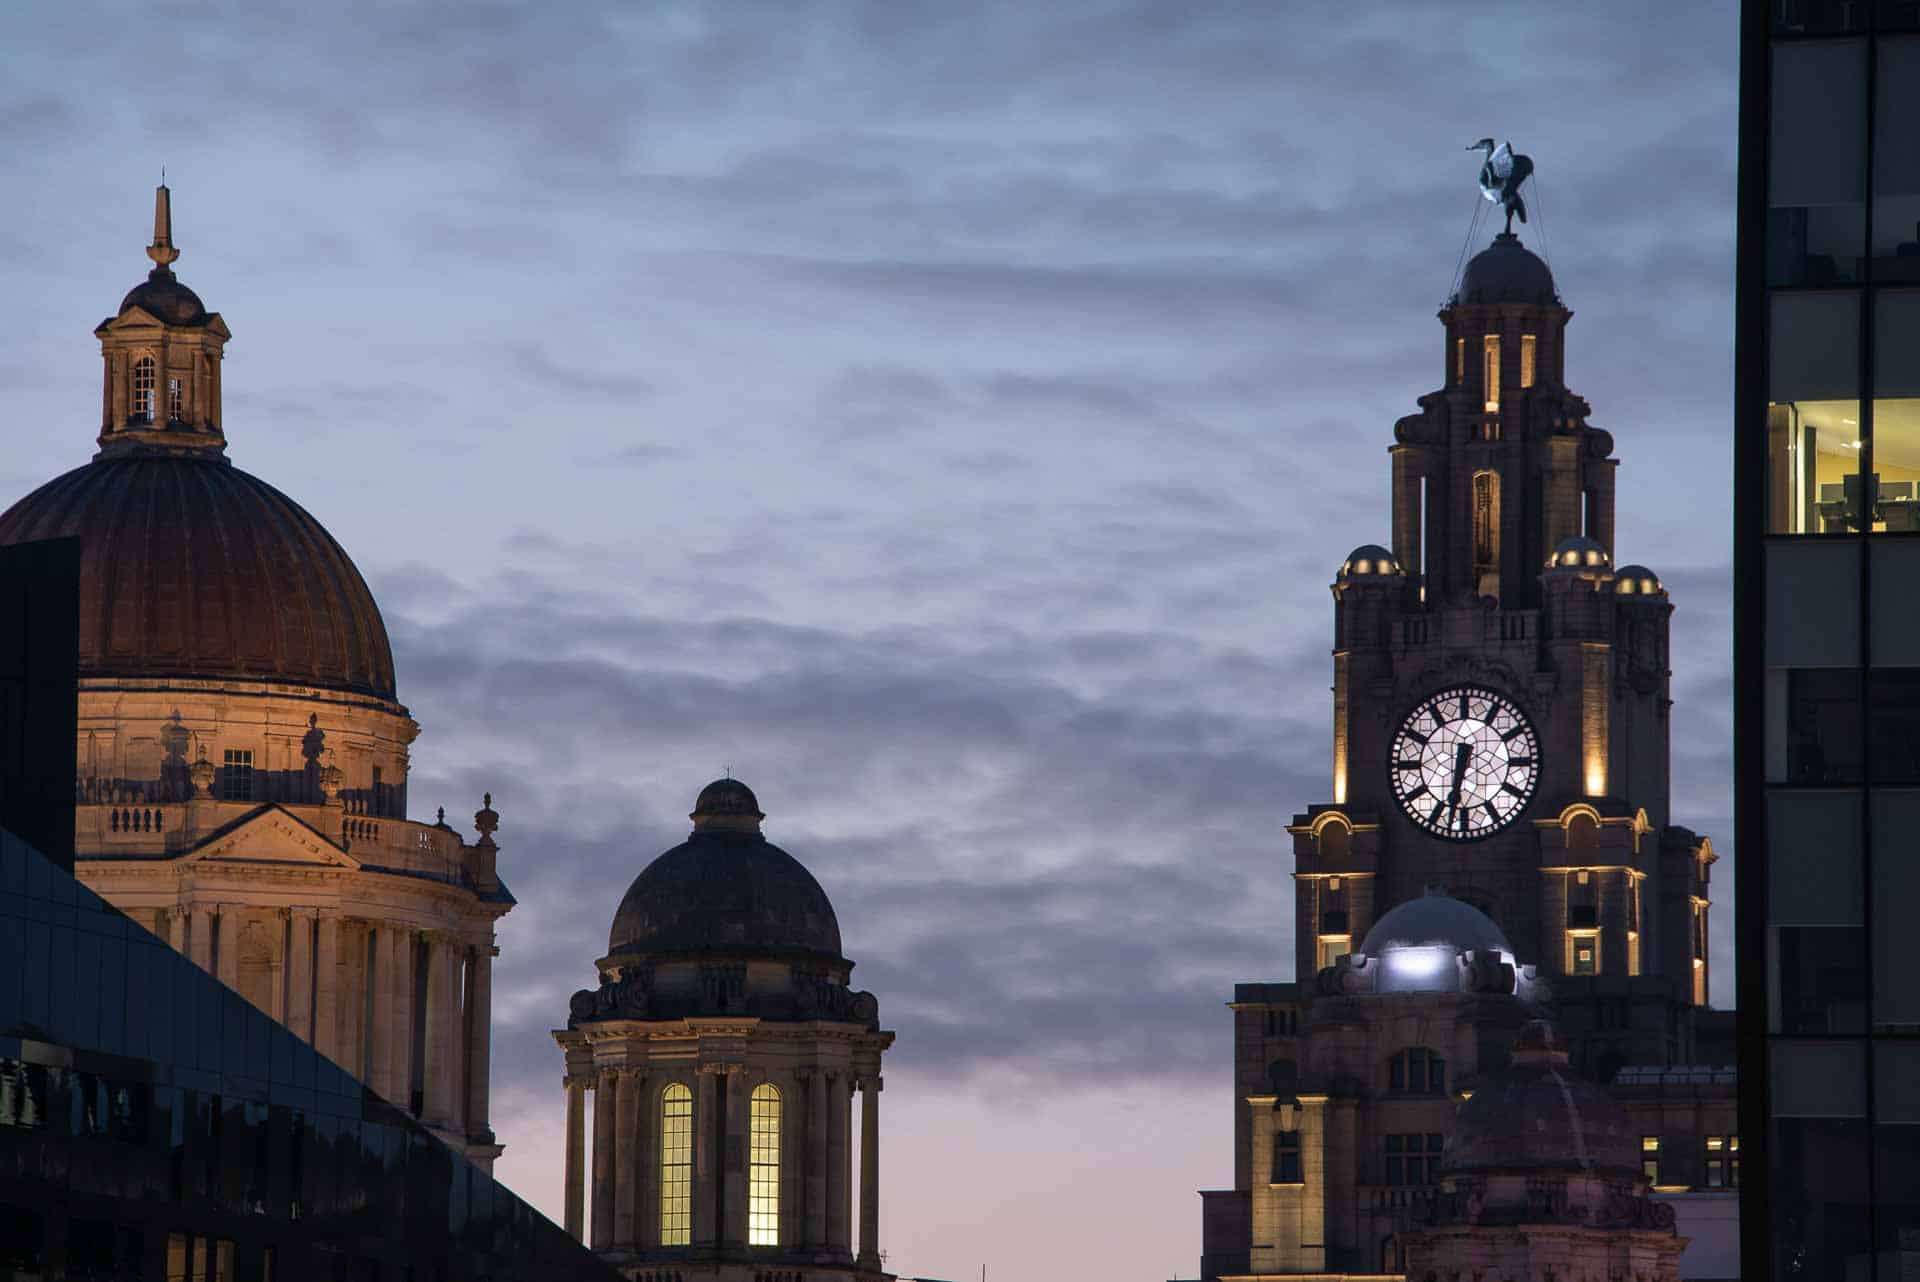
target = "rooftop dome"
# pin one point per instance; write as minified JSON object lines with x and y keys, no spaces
{"x":191,"y":568}
{"x":1432,"y":920}
{"x":726,"y":890}
{"x":1506,"y":272}
{"x":1636,"y":580}
{"x":1369,"y":560}
{"x":166,"y":299}
{"x":1578,"y":552}
{"x":1537,"y":1116}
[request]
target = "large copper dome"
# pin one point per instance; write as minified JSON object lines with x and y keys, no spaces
{"x":192,"y":568}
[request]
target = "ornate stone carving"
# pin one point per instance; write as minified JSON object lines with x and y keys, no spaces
{"x":815,"y":997}
{"x":629,"y":997}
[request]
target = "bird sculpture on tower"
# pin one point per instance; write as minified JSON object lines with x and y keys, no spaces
{"x":1502,"y":170}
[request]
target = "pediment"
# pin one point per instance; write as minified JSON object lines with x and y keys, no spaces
{"x":271,"y":836}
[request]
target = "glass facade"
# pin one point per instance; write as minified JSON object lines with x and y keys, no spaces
{"x":155,"y":1124}
{"x":1827,"y":668}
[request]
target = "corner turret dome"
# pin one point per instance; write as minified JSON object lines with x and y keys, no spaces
{"x":1368,"y":561}
{"x":726,"y":890}
{"x":1578,"y":552}
{"x":1507,"y":272}
{"x":1538,"y":1116}
{"x":1637,"y":580}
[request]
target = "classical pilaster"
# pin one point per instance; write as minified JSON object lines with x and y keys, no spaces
{"x":300,"y":978}
{"x":441,"y":1077}
{"x":733,"y":1196}
{"x":226,"y":947}
{"x":480,"y":1038}
{"x":606,"y":1123}
{"x":626,"y":1160}
{"x":706,"y":1228}
{"x":814,"y":1232}
{"x":326,"y":992}
{"x":870,"y":1170}
{"x":382,"y":1030}
{"x":576,"y":1156}
{"x":400,"y":1016}
{"x":839,"y":1162}
{"x":177,"y":931}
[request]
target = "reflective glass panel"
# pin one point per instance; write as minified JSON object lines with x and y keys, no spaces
{"x":1896,"y":162}
{"x":1817,"y":162}
{"x":1813,"y":414}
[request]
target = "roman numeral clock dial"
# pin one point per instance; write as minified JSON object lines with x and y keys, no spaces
{"x":1465,"y":763}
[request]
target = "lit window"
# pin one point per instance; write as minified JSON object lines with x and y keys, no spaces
{"x":1486,"y":532}
{"x":1582,"y":876}
{"x":1333,"y":948}
{"x":1586,"y":954}
{"x":1417,"y":1070}
{"x":1527,"y":344}
{"x":1650,"y":1158}
{"x":676,"y":1166}
{"x":1412,"y":1159}
{"x":236,"y":780}
{"x":1633,"y":952}
{"x":1491,"y":371}
{"x":1286,"y":1157}
{"x":1723,"y":1161}
{"x":763,"y":1169}
{"x":1459,"y":360}
{"x":143,"y":385}
{"x":176,"y":400}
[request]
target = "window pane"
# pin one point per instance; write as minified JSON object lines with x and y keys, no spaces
{"x":1813,"y":859}
{"x":1819,"y":17}
{"x":1817,"y":162}
{"x":763,"y":1171}
{"x":1893,"y":724}
{"x":676,"y":1166}
{"x":1813,"y":414}
{"x":1896,"y":162}
{"x":1813,"y":604}
{"x":1813,"y":725}
{"x":1895,"y":891}
{"x":1894,"y":626}
{"x":1820,"y":1224}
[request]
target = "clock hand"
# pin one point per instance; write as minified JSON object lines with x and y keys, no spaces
{"x":1462,"y":754}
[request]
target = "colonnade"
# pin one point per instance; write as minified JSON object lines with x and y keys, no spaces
{"x":407,"y":1010}
{"x":816,"y":1158}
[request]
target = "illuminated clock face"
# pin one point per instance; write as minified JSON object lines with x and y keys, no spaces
{"x":1465,"y":763}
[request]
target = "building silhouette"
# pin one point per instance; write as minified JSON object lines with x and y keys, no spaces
{"x":720,"y":1055}
{"x":241,"y":759}
{"x":1826,"y":647}
{"x":1497,"y":846}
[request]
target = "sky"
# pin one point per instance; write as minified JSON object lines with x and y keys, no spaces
{"x":946,"y":417}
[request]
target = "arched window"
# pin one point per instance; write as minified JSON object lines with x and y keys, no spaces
{"x":143,"y":389}
{"x":1486,"y":533}
{"x":1417,"y":1071}
{"x":763,"y":1167}
{"x":1490,"y":380}
{"x":676,"y":1166}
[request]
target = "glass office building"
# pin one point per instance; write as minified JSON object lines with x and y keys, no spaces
{"x":156,"y":1125}
{"x":1827,"y":663}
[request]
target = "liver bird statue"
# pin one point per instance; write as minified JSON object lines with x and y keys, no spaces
{"x":1502,"y":170}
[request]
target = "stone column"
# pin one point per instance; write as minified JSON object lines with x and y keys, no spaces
{"x":379,"y":1034}
{"x":177,"y":931}
{"x":227,"y":949}
{"x":870,"y":1170}
{"x":442,"y":1071}
{"x":606,"y":1121}
{"x":839,"y":1162}
{"x":645,"y":1125}
{"x":480,"y":1038}
{"x":300,"y":980}
{"x":815,"y":1232}
{"x":626,"y":1161}
{"x":733,"y":1197}
{"x":706,"y":1106}
{"x":399,"y":1018}
{"x":326,"y":991}
{"x":576,"y":1155}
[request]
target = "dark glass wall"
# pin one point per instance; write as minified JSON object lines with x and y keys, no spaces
{"x":39,"y":710}
{"x":1827,"y":605}
{"x":154,"y":1124}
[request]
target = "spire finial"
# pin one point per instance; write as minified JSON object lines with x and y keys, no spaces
{"x":161,"y":251}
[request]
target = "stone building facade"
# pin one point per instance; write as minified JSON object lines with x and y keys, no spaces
{"x":719,"y":1057}
{"x":242,"y":762}
{"x":1500,"y":734}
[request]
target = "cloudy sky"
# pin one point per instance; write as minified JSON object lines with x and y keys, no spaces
{"x":947,"y":415}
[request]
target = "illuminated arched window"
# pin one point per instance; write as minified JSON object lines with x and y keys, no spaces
{"x":1490,"y":371}
{"x":676,"y":1166}
{"x":763,"y":1167}
{"x":1486,"y":533}
{"x":1527,"y":345}
{"x":143,"y":389}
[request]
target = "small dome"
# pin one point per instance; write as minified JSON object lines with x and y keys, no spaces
{"x":1368,"y":561}
{"x":1636,"y":580}
{"x":1507,"y":272}
{"x":1433,"y":920}
{"x":1578,"y":552}
{"x":166,"y":299}
{"x":1538,"y":1116}
{"x":726,"y":890}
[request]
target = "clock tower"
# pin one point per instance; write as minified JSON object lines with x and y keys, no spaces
{"x":1496,"y":845}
